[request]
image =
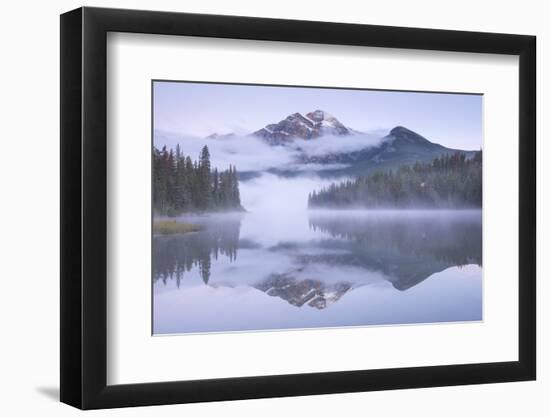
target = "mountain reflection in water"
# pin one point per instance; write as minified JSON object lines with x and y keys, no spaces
{"x":316,"y":263}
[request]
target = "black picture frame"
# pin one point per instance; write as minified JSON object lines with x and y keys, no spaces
{"x":84,"y":207}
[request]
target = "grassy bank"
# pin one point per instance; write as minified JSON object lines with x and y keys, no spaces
{"x":170,"y":227}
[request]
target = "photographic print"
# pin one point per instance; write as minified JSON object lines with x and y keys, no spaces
{"x":283,"y":207}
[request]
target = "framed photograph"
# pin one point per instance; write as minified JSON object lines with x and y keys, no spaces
{"x":257,"y":208}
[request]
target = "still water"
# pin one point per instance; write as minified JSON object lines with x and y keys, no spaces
{"x":263,"y":271}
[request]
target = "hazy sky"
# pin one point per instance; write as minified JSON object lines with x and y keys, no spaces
{"x":197,"y":109}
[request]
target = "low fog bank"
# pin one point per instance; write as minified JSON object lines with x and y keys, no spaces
{"x":270,"y":193}
{"x":412,"y":212}
{"x":265,"y":191}
{"x":250,"y":153}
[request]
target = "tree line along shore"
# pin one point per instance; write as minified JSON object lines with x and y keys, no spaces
{"x":182,"y":185}
{"x":449,"y":181}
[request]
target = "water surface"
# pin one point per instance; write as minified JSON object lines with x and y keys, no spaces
{"x":264,"y":270}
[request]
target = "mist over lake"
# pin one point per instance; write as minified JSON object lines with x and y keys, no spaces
{"x":306,"y":270}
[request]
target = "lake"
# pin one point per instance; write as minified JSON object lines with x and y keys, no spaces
{"x":265,"y":270}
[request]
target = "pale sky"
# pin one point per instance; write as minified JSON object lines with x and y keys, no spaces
{"x":200,"y":109}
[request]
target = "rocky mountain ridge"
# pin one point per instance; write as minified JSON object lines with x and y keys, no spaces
{"x":313,"y":125}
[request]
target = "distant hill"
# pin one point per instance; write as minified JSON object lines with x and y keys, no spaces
{"x":401,"y":147}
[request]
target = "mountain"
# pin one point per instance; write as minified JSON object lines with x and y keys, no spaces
{"x":371,"y":153}
{"x":400,"y":147}
{"x":296,"y":126}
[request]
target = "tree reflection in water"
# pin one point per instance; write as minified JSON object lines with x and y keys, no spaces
{"x":403,"y":248}
{"x":408,"y":248}
{"x":174,"y":255}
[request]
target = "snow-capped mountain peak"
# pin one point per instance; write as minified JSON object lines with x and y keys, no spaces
{"x":318,"y":116}
{"x":296,"y":126}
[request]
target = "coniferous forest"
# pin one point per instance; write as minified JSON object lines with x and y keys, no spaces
{"x":449,"y":181}
{"x":181,"y":185}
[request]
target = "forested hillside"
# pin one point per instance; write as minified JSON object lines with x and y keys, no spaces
{"x":181,"y":185}
{"x":449,"y":181}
